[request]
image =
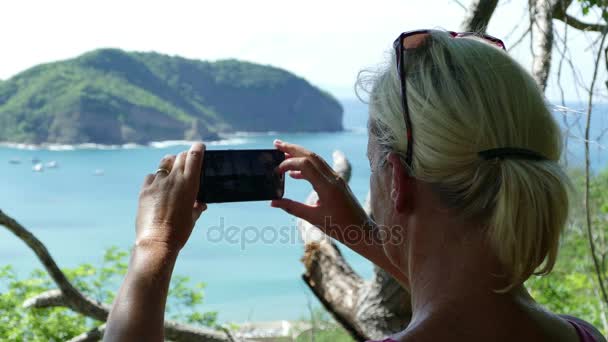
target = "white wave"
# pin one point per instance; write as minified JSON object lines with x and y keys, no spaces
{"x":169,"y":143}
{"x":129,"y":146}
{"x":93,"y":146}
{"x":249,"y":134}
{"x":221,"y":142}
{"x":19,"y":146}
{"x":59,"y":147}
{"x":228,"y":141}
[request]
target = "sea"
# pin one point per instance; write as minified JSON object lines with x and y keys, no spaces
{"x":88,"y":202}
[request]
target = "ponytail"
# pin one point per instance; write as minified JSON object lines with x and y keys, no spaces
{"x":531,"y":209}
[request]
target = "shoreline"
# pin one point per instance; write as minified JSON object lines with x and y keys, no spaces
{"x":236,"y":138}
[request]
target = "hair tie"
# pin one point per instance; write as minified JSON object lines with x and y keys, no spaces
{"x":510,"y":152}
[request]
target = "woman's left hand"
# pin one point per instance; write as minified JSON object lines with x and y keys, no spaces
{"x":166,"y":216}
{"x":168,"y":208}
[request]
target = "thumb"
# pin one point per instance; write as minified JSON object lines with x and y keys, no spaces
{"x":197,"y":210}
{"x":301,"y":210}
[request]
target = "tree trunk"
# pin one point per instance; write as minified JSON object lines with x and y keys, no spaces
{"x":478,"y":15}
{"x":367,"y":309}
{"x":541,"y":20}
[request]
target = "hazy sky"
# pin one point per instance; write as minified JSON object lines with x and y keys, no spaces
{"x":327,"y":42}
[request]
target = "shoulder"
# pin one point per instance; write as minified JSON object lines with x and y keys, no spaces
{"x":593,"y":330}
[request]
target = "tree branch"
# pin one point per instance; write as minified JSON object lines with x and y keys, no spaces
{"x":560,"y":8}
{"x":366,"y":309}
{"x":173,"y":330}
{"x":478,"y":15}
{"x":68,"y":296}
{"x":592,"y":246}
{"x":73,"y":297}
{"x":581,"y":25}
{"x":460,"y":4}
{"x":51,"y":298}
{"x":93,"y":335}
{"x":520,"y":39}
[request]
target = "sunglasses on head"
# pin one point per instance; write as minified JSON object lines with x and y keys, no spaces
{"x":412,"y":40}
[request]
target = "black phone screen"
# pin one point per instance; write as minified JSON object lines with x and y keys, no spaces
{"x":241,"y":175}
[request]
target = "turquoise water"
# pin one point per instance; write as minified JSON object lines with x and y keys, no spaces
{"x":78,"y":214}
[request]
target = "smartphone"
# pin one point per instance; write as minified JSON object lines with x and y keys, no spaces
{"x":241,"y":175}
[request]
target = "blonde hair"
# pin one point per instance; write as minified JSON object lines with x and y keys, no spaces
{"x":464,"y":96}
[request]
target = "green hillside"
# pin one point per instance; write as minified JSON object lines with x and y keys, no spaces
{"x":110,"y":96}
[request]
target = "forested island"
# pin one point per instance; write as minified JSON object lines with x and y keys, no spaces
{"x":110,"y":96}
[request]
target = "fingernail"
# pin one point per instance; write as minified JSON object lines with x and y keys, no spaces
{"x":277,"y":142}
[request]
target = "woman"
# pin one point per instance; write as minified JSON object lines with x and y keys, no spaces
{"x":468,"y":199}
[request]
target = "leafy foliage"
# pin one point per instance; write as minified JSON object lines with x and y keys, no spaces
{"x":323,"y":328}
{"x":319,"y":326}
{"x":113,"y":96}
{"x":58,"y":324}
{"x":588,"y":5}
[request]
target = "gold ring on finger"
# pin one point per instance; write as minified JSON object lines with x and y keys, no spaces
{"x":162,"y":170}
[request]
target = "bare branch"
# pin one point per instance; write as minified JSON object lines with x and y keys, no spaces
{"x":516,"y":27}
{"x":460,"y":4}
{"x":576,"y":73}
{"x":581,"y":25}
{"x":74,"y":297}
{"x":520,"y":39}
{"x":92,"y":335}
{"x":49,"y":299}
{"x":173,"y":330}
{"x":559,"y":84}
{"x":367,"y":309}
{"x":598,"y":271}
{"x":560,"y":8}
{"x":600,"y":136}
{"x":337,"y":285}
{"x":478,"y":15}
{"x":68,"y":296}
{"x":231,"y":338}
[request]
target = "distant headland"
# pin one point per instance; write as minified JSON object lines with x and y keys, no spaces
{"x":110,"y":96}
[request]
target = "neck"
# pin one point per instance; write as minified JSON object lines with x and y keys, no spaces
{"x":453,"y":272}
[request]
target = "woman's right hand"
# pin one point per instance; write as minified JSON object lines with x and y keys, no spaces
{"x":337,"y":212}
{"x":337,"y":208}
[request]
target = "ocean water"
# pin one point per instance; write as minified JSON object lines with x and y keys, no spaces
{"x":253,"y":275}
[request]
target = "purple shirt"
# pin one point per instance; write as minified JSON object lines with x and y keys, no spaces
{"x":584,"y":334}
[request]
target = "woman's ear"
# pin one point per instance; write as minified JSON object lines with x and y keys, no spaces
{"x":401,"y":184}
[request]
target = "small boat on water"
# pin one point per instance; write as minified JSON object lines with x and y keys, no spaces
{"x":14,"y":161}
{"x":51,"y":165}
{"x":38,"y":167}
{"x":99,"y":172}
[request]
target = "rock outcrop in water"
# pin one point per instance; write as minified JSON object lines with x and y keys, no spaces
{"x":110,"y":96}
